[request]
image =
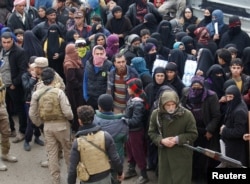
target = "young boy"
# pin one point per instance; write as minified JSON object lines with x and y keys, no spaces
{"x":19,"y":36}
{"x":135,"y":113}
{"x":242,"y":81}
{"x":224,"y":59}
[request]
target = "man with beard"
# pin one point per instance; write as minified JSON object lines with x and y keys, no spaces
{"x":117,"y":79}
{"x":41,"y":29}
{"x":235,"y":35}
{"x":204,"y":105}
{"x":171,"y":126}
{"x":139,"y":9}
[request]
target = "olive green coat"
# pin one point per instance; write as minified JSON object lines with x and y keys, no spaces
{"x":175,"y":164}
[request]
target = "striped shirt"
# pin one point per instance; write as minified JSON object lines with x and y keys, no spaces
{"x":120,"y":92}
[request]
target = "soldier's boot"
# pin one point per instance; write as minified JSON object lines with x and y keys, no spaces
{"x":9,"y":158}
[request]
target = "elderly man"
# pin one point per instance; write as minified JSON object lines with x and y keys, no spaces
{"x":171,"y":126}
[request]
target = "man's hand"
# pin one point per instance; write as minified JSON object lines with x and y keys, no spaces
{"x":169,"y":142}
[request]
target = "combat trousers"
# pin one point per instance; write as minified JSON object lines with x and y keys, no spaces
{"x":55,"y":135}
{"x":5,"y":130}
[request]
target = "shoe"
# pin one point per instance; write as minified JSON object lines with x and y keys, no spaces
{"x":45,"y":164}
{"x":39,"y":141}
{"x":19,"y":138}
{"x":12,"y":134}
{"x":3,"y":167}
{"x":130,"y":173}
{"x":9,"y":158}
{"x":26,"y":146}
{"x":142,"y":180}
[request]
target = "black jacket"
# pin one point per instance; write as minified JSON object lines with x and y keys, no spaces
{"x":109,"y":148}
{"x":14,"y":22}
{"x":18,"y":65}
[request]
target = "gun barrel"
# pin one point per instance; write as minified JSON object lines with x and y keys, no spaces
{"x":216,"y":156}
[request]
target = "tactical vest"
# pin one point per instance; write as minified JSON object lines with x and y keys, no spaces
{"x":49,"y":106}
{"x":94,"y":159}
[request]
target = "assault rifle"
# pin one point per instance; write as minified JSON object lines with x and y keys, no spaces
{"x":216,"y":156}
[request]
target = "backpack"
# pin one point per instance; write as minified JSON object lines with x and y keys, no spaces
{"x":49,"y":106}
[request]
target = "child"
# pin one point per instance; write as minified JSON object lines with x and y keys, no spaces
{"x":19,"y":36}
{"x":135,"y":113}
{"x":224,"y":59}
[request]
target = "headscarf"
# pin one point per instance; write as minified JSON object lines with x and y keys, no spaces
{"x":196,"y":96}
{"x":216,"y":82}
{"x":71,"y":59}
{"x":219,"y":17}
{"x":157,"y":86}
{"x":202,"y":35}
{"x":98,"y":60}
{"x":53,"y":40}
{"x":188,"y":42}
{"x":205,"y":60}
{"x":139,"y":64}
{"x":165,"y":30}
{"x":231,"y":105}
{"x":112,"y":46}
{"x":32,"y":45}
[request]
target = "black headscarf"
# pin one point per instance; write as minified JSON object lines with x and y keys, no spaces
{"x":31,"y":45}
{"x":216,"y":82}
{"x":205,"y":61}
{"x":231,"y":105}
{"x":165,"y":30}
{"x":53,"y":40}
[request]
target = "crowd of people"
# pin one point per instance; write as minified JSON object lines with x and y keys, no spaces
{"x":127,"y":78}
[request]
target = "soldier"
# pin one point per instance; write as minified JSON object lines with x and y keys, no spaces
{"x":92,"y":144}
{"x":4,"y":129}
{"x":50,"y":105}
